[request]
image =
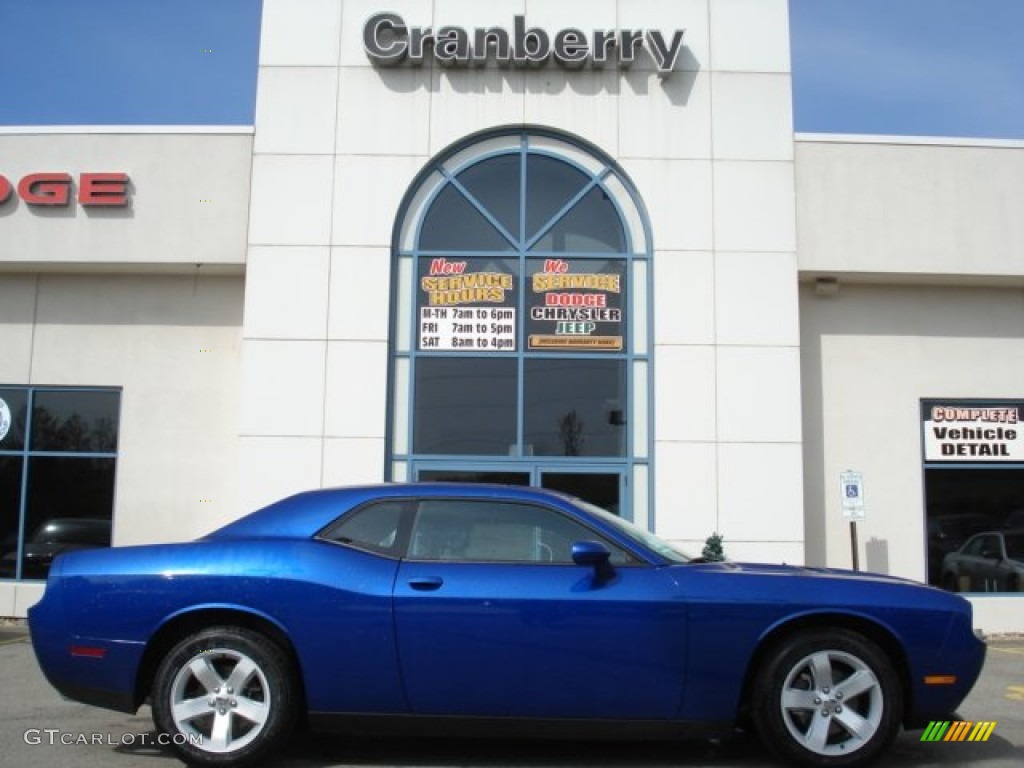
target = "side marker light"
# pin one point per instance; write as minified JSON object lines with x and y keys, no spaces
{"x":940,"y":679}
{"x":88,"y":651}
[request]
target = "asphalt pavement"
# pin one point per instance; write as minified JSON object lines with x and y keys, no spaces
{"x":38,"y":728}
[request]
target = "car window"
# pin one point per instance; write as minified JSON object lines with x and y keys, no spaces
{"x":991,"y":547}
{"x":376,"y":527}
{"x":973,"y":547}
{"x":470,"y":530}
{"x":647,"y":539}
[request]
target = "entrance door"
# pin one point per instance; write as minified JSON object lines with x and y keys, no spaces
{"x":599,"y":485}
{"x":601,"y":488}
{"x":474,"y":476}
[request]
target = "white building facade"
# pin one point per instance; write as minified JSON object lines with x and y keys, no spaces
{"x":571,"y":244}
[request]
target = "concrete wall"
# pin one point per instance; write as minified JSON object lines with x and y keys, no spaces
{"x":710,"y":149}
{"x":147,"y":298}
{"x":876,"y":207}
{"x":172,"y":344}
{"x":925,"y":240}
{"x":870,"y":353}
{"x":187,"y":200}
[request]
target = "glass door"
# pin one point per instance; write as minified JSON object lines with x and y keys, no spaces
{"x":603,"y":486}
{"x":500,"y":476}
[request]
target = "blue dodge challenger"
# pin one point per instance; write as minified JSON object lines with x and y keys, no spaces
{"x":495,"y":610}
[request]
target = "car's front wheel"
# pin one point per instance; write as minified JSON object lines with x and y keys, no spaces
{"x":827,"y":698}
{"x":224,"y":696}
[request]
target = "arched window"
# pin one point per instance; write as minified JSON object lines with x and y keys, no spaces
{"x":520,"y":344}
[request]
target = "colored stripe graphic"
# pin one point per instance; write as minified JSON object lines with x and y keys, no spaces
{"x":982,"y":731}
{"x":958,"y":730}
{"x":935,"y":731}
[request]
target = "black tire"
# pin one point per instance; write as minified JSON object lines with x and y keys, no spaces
{"x":815,"y":690}
{"x":225,"y":696}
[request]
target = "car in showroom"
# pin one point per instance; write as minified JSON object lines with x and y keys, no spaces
{"x":54,"y":537}
{"x":477,"y":609}
{"x":947,"y":533}
{"x":991,"y":561}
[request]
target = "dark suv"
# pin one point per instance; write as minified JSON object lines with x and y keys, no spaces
{"x":60,"y":534}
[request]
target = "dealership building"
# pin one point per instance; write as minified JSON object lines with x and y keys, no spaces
{"x":568,"y":244}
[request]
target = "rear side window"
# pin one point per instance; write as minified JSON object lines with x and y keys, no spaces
{"x":376,"y":528}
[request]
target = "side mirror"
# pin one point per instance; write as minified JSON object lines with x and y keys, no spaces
{"x":595,"y":554}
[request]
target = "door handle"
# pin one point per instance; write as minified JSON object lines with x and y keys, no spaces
{"x":426,"y":583}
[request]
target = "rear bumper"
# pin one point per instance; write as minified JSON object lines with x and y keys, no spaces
{"x":119,"y":701}
{"x":103,"y":676}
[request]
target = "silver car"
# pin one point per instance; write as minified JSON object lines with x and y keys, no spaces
{"x":992,"y":561}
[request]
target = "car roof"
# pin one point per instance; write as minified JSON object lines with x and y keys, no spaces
{"x":303,"y":514}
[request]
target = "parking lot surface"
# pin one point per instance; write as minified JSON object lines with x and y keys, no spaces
{"x":37,"y":727}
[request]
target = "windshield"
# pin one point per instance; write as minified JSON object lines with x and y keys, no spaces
{"x":1015,"y":546}
{"x":645,"y":538}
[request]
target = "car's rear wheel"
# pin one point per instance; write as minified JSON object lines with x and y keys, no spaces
{"x":827,"y":698}
{"x":225,"y":696}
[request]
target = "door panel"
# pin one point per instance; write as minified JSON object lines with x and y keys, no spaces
{"x":493,"y":618}
{"x":539,"y":641}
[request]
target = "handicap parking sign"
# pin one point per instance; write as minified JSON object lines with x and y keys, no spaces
{"x":852,"y":494}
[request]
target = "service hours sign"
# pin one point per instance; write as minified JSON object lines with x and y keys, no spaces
{"x":467,"y":305}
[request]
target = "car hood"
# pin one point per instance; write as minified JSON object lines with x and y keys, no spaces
{"x":816,"y":588}
{"x":803,"y":571}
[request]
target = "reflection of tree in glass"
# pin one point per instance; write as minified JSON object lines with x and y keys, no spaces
{"x":104,"y":436}
{"x":72,"y":434}
{"x":570,"y":430}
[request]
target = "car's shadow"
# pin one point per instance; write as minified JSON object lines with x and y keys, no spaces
{"x":315,"y":750}
{"x":322,"y":751}
{"x":308,"y":750}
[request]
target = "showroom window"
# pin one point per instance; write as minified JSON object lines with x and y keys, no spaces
{"x":974,"y":494}
{"x":520,"y":325}
{"x":58,"y":454}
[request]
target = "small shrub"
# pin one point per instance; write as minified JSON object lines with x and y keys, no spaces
{"x":713,"y":551}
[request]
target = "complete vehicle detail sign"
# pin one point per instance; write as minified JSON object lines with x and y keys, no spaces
{"x":388,"y":41}
{"x":972,"y":431}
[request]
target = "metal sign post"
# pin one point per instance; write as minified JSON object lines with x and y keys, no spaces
{"x":851,"y":491}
